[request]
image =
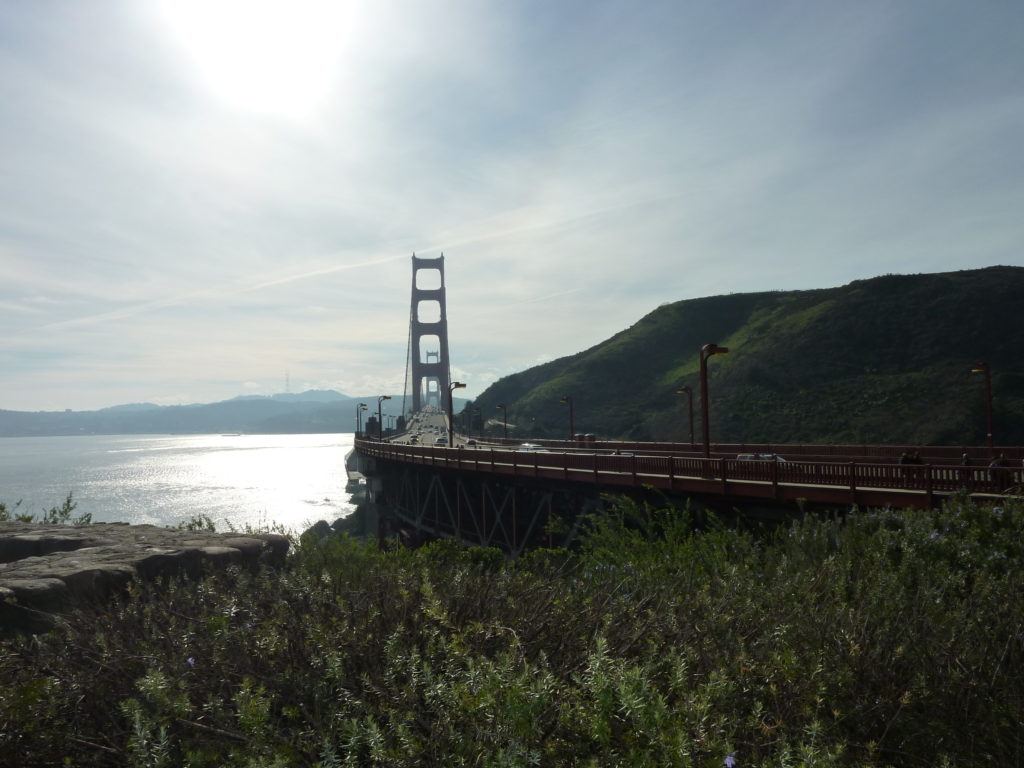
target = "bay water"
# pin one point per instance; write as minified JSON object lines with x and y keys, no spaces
{"x":236,"y":480}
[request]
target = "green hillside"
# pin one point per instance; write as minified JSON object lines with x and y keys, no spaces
{"x":885,"y":360}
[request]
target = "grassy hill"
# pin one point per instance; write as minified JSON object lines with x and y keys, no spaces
{"x":885,"y":360}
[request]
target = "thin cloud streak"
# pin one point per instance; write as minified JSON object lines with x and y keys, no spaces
{"x":320,"y":273}
{"x":210,"y":295}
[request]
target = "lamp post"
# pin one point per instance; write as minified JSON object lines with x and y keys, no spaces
{"x":380,"y":417}
{"x":504,"y":419}
{"x":689,"y":396}
{"x":984,"y":368}
{"x":705,"y":352}
{"x":359,"y":417}
{"x":572,"y":428}
{"x":451,"y":424}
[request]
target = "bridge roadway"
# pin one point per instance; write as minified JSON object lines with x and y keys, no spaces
{"x":821,"y":475}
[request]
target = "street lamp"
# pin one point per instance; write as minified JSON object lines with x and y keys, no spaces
{"x":705,"y":352}
{"x":572,"y":428}
{"x":359,"y":417}
{"x":983,"y":368}
{"x":451,"y":424}
{"x":380,"y":417}
{"x":689,"y":396}
{"x":504,"y":419}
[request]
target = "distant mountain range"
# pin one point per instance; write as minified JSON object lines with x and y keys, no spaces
{"x":886,"y":360}
{"x":309,"y":396}
{"x":314,"y":411}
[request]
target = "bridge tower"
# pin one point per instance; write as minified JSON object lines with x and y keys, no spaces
{"x":428,"y":327}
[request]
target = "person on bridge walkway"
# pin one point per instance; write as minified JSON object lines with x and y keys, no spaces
{"x":1000,"y":473}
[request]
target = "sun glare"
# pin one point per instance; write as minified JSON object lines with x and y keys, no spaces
{"x":275,"y":57}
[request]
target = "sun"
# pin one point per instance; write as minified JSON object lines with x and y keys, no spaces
{"x":275,"y":57}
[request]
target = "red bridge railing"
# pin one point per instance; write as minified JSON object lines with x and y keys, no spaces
{"x":864,"y":483}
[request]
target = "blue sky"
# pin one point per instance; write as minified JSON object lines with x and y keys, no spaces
{"x":198,"y":196}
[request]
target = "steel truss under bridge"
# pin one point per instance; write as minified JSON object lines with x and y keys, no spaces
{"x":420,"y":503}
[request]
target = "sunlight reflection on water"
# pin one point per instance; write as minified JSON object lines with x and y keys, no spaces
{"x":236,"y":480}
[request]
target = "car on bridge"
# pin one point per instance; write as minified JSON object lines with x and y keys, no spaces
{"x":760,"y":457}
{"x":533,"y":448}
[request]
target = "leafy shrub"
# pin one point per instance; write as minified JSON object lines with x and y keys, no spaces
{"x":53,"y":516}
{"x":890,"y":638}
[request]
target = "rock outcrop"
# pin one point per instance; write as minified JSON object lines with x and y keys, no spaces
{"x":46,"y":568}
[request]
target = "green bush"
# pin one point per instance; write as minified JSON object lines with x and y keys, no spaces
{"x":888,"y":638}
{"x":54,"y":515}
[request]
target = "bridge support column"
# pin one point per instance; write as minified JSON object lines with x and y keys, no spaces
{"x":428,"y":325}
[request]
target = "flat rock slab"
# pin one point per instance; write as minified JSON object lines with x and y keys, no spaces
{"x":46,"y":568}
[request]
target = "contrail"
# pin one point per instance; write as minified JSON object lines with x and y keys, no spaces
{"x":208,"y":294}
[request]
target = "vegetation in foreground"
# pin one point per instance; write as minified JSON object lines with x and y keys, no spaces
{"x":891,"y":638}
{"x":53,"y":516}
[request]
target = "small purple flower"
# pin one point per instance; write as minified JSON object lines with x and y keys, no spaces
{"x":730,"y":760}
{"x":191,"y":661}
